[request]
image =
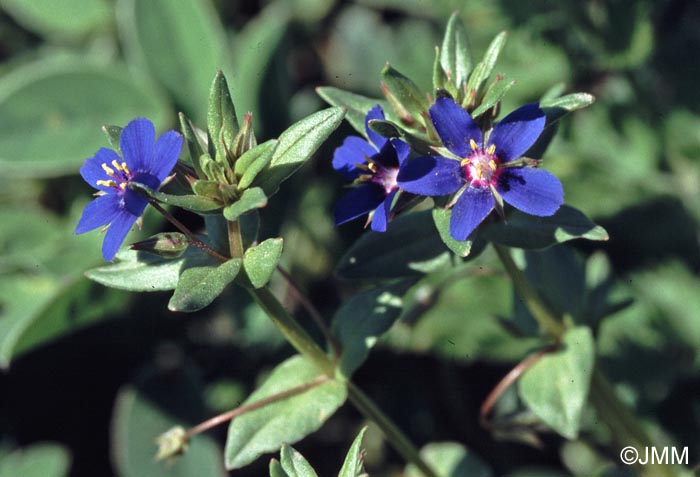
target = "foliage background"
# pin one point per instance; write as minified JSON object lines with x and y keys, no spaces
{"x":85,"y":366}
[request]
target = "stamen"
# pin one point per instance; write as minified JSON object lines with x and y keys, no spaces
{"x":123,"y":185}
{"x":106,"y":183}
{"x":362,"y":167}
{"x":372,"y":167}
{"x":472,"y":144}
{"x":117,"y":166}
{"x":108,"y":170}
{"x":126,"y":169}
{"x":492,"y":163}
{"x":491,"y":150}
{"x":363,"y":178}
{"x":465,"y":162}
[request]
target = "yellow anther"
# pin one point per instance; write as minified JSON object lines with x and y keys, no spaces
{"x":372,"y":167}
{"x":106,"y":183}
{"x":479,"y":173}
{"x":492,"y":164}
{"x":473,"y":145}
{"x":363,"y":178}
{"x":117,"y":166}
{"x":108,"y":170}
{"x":126,"y":169}
{"x":362,"y":167}
{"x":122,"y":185}
{"x":491,"y":150}
{"x":465,"y":162}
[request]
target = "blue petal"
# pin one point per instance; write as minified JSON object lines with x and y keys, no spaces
{"x":167,"y":150}
{"x":517,"y":132}
{"x":387,"y":156}
{"x":403,"y":150}
{"x":431,"y":175}
{"x":116,"y":233}
{"x":92,"y":168}
{"x":534,"y":191}
{"x":381,"y":213}
{"x":471,"y":209}
{"x":358,"y":202}
{"x":354,"y":150}
{"x":136,"y":142}
{"x":455,"y":126}
{"x":134,"y":201}
{"x":98,"y":213}
{"x":376,"y":139}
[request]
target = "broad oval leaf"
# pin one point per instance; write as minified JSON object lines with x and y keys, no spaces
{"x":38,"y":460}
{"x":531,"y":232}
{"x":50,"y":114}
{"x":261,"y":261}
{"x":251,"y":199}
{"x":198,"y":286}
{"x":450,"y":459}
{"x":296,"y":145}
{"x":556,"y":387}
{"x":265,"y":429}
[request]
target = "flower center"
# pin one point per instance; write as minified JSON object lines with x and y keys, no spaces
{"x":481,"y":166}
{"x":120,"y":176}
{"x":378,"y":174}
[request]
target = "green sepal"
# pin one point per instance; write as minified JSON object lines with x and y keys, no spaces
{"x":113,"y":134}
{"x":194,"y":147}
{"x":245,"y":139}
{"x":166,"y":244}
{"x":260,"y":262}
{"x":357,"y":106}
{"x":493,"y":95}
{"x":294,"y":464}
{"x":200,"y":285}
{"x":195,"y":203}
{"x":440,"y":80}
{"x":254,"y":161}
{"x":406,"y":93}
{"x":484,"y":68}
{"x":557,"y":108}
{"x":222,"y":123}
{"x":353,"y":464}
{"x":250,"y":199}
{"x":455,"y":54}
{"x":441,"y":217}
{"x":212,"y":169}
{"x":390,"y":129}
{"x":296,"y":145}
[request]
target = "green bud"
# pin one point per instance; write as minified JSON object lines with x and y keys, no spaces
{"x":172,"y":443}
{"x":245,"y":139}
{"x":405,"y":92}
{"x":166,"y":245}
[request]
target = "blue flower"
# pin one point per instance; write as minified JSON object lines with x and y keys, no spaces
{"x":117,"y":206}
{"x":373,"y":166}
{"x":483,"y":166}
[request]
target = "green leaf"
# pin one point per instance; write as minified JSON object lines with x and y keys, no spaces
{"x":556,"y":387}
{"x":200,"y":285}
{"x":360,"y":321}
{"x":114,"y":134}
{"x":296,"y":145}
{"x":530,"y":232}
{"x":441,"y":217}
{"x":357,"y":105}
{"x":251,"y":199}
{"x":265,"y":429}
{"x":195,"y":203}
{"x":222,"y":122}
{"x":450,"y":459}
{"x":249,"y":165}
{"x":139,"y":271}
{"x":276,"y":469}
{"x":493,"y":95}
{"x":484,"y":68}
{"x":194,"y":147}
{"x":405,"y":91}
{"x":150,"y":406}
{"x":455,"y":54}
{"x":261,"y":261}
{"x":181,"y":42}
{"x":72,"y":18}
{"x":557,"y":108}
{"x":389,"y":255}
{"x":294,"y":464}
{"x":352,"y":467}
{"x":38,"y":460}
{"x":50,"y":112}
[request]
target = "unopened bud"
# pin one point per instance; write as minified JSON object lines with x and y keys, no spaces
{"x":172,"y":443}
{"x":167,"y":244}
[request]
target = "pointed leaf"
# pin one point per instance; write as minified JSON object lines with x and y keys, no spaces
{"x":455,"y":54}
{"x":556,"y":387}
{"x":195,"y":203}
{"x":289,"y":420}
{"x":357,"y":105}
{"x":530,"y":232}
{"x":441,"y":217}
{"x":296,"y":145}
{"x":493,"y":95}
{"x":199,"y":286}
{"x":352,"y":467}
{"x":483,"y":70}
{"x":557,"y":108}
{"x":406,"y":92}
{"x":276,"y":469}
{"x":294,"y":464}
{"x":222,"y":122}
{"x":253,"y":161}
{"x":261,"y":261}
{"x":113,"y":134}
{"x":251,"y":199}
{"x":194,"y":147}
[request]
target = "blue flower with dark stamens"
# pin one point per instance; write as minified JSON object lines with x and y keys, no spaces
{"x":117,"y":206}
{"x":483,"y":166}
{"x":373,"y":166}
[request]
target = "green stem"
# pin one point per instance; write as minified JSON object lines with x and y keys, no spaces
{"x":305,"y":345}
{"x":235,"y":241}
{"x":625,"y":429}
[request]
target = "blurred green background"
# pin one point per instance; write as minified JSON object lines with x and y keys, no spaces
{"x":91,"y":375}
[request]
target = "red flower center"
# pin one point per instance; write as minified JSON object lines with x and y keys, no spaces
{"x":481,"y":166}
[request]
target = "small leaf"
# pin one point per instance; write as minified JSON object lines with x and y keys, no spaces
{"x":441,"y":217}
{"x":360,"y":321}
{"x":294,"y":464}
{"x":483,"y":70}
{"x":261,"y":261}
{"x":296,"y":145}
{"x":406,"y":92}
{"x":251,"y":199}
{"x":557,"y":108}
{"x":200,"y":285}
{"x":195,"y":203}
{"x":276,"y":469}
{"x":222,"y":122}
{"x":166,"y":244}
{"x":450,"y":459}
{"x":289,"y":420}
{"x":254,"y":161}
{"x":357,"y":105}
{"x":352,"y":467}
{"x":556,"y":387}
{"x":455,"y":54}
{"x":531,"y":232}
{"x":493,"y":95}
